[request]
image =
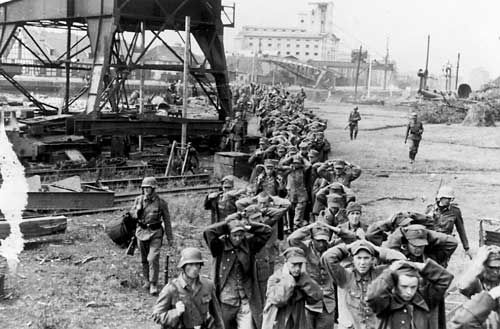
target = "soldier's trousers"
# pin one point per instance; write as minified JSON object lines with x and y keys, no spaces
{"x":353,"y":131}
{"x":321,"y":320}
{"x":237,"y":317}
{"x":150,"y":257}
{"x":297,"y":212}
{"x":413,"y":148}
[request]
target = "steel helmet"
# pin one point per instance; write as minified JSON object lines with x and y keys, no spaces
{"x":445,"y":192}
{"x":190,"y":256}
{"x":149,"y":182}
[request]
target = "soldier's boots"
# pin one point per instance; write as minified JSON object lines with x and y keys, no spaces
{"x":153,"y":289}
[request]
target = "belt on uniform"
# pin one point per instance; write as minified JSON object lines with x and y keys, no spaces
{"x":154,"y":226}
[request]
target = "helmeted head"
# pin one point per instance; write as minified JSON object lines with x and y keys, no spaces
{"x":148,"y":185}
{"x":363,"y":256}
{"x":413,"y":116}
{"x":416,"y":237}
{"x":237,"y":115}
{"x":295,"y":259}
{"x":354,"y":211}
{"x":445,"y":196}
{"x":191,"y":262}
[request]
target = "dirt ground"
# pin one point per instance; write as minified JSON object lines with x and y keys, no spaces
{"x":51,"y":291}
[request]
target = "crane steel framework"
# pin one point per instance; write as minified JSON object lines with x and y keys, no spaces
{"x":113,"y":57}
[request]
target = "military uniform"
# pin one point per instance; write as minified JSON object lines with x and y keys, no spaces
{"x":414,"y":131}
{"x":446,"y":218}
{"x":202,"y":308}
{"x":354,"y":118}
{"x":150,"y":212}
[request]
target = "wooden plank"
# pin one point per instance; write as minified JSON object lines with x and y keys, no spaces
{"x":35,"y":227}
{"x":69,"y":200}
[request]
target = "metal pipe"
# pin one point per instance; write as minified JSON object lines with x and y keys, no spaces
{"x":65,"y":108}
{"x":456,"y":76}
{"x":187,"y":60}
{"x":141,"y":85}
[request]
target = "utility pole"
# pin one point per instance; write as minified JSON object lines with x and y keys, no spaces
{"x":426,"y":72}
{"x":369,"y":77}
{"x":187,"y":60}
{"x":386,"y":61}
{"x":357,"y":73}
{"x":141,"y":78}
{"x":65,"y":109}
{"x":456,"y":76}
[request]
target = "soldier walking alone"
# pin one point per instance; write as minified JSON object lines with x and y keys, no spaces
{"x":414,"y":132}
{"x":354,"y":118}
{"x":150,"y":210}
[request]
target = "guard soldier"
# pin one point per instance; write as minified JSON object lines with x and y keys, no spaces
{"x":414,"y":132}
{"x":150,"y":210}
{"x":447,"y":215}
{"x":189,"y":300}
{"x":354,"y":118}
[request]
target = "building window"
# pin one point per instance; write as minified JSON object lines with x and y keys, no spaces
{"x":279,"y":44}
{"x":278,"y":53}
{"x":302,"y":21}
{"x":298,"y":46}
{"x":315,"y":54}
{"x":307,"y":54}
{"x":269,"y":44}
{"x":288,"y":45}
{"x":297,"y":53}
{"x":307,"y":46}
{"x":250,"y":44}
{"x":316,"y":46}
{"x":288,"y":53}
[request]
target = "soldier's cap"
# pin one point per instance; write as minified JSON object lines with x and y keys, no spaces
{"x":294,"y":255}
{"x":270,"y":163}
{"x":304,"y":145}
{"x":359,"y":245}
{"x":227,"y":181}
{"x":236,"y":225}
{"x":313,"y":153}
{"x":264,"y":197}
{"x":253,"y":212}
{"x":297,"y":160}
{"x":416,"y":234}
{"x":334,"y":200}
{"x":353,"y":206}
{"x":494,"y":257}
{"x":339,"y":164}
{"x":405,"y":268}
{"x":413,"y":114}
{"x":320,"y":233}
{"x":336,"y":186}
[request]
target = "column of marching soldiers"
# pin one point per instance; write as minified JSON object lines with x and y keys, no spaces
{"x":338,"y":269}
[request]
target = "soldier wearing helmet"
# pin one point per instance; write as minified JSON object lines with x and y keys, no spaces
{"x":447,"y":216}
{"x":151,"y":212}
{"x":414,"y":132}
{"x":188,"y":301}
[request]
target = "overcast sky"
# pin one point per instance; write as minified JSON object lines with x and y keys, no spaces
{"x":469,"y":27}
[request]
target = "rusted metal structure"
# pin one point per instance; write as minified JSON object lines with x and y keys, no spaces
{"x":114,"y":55}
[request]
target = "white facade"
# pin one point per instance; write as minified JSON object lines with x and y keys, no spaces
{"x":311,"y":39}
